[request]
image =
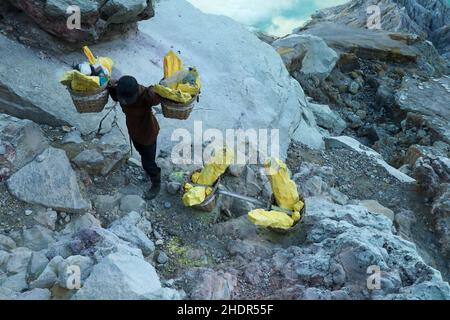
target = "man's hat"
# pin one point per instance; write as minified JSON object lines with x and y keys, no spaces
{"x":127,"y":90}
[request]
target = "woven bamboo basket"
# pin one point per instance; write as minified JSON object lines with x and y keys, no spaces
{"x":90,"y":102}
{"x":174,"y":110}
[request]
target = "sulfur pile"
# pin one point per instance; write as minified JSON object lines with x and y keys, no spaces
{"x":202,"y":181}
{"x":286,"y":197}
{"x":180,"y":84}
{"x":89,"y":76}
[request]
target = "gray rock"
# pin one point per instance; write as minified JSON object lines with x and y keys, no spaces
{"x":338,"y":197}
{"x":328,"y":119}
{"x":81,"y":222}
{"x":37,"y":264}
{"x":306,"y":53}
{"x":91,"y":161}
{"x":4,"y":257}
{"x":404,"y":221}
{"x":380,"y":45}
{"x":106,"y":204}
{"x":72,"y":137}
{"x":211,"y":285}
{"x":375,"y":207}
{"x":6,"y":243}
{"x":131,"y":203}
{"x":126,"y":229}
{"x":424,"y":18}
{"x":37,"y":238}
{"x":428,"y":100}
{"x":115,"y":148}
{"x":16,"y":282}
{"x":47,"y":218}
{"x":441,"y":212}
{"x":21,"y":141}
{"x":98,"y":243}
{"x":124,"y":277}
{"x":7,"y":294}
{"x":353,"y":87}
{"x":252,"y":182}
{"x":57,"y":8}
{"x":51,"y":183}
{"x":173,"y":188}
{"x":35,"y":294}
{"x":18,"y":260}
{"x":428,"y":290}
{"x":49,"y":277}
{"x":123,"y":11}
{"x":314,"y":186}
{"x":162,"y":258}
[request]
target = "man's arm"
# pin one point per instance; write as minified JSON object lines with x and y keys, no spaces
{"x":153,"y":99}
{"x":112,"y":89}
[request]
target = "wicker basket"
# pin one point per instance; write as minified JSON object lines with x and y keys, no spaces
{"x":90,"y":102}
{"x":295,"y":226}
{"x":180,"y":111}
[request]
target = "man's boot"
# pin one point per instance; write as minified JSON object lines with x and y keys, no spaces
{"x":156,"y":185}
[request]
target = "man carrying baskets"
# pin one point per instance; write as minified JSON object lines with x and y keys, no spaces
{"x":137,"y":102}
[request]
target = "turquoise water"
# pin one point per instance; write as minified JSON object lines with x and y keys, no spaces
{"x":277,"y":17}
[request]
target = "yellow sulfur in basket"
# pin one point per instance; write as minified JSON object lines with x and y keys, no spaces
{"x":273,"y":219}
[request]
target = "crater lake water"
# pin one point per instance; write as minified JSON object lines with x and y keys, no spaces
{"x":276,"y":17}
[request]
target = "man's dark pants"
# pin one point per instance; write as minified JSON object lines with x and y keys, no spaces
{"x":148,"y":157}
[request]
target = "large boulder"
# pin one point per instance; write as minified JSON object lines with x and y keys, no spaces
{"x":124,"y":277}
{"x":307,"y":54}
{"x":428,"y":18}
{"x":378,"y":45}
{"x":49,"y":181}
{"x":429,"y":101}
{"x":20,"y":142}
{"x":98,"y":17}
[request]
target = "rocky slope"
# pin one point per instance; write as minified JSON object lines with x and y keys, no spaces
{"x":71,"y":199}
{"x":98,"y":18}
{"x":428,"y":19}
{"x":390,"y":88}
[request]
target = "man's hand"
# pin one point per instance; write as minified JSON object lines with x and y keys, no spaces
{"x":112,"y":83}
{"x":156,"y":98}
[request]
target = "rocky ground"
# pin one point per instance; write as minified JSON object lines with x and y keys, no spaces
{"x":368,"y":149}
{"x":197,"y":257}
